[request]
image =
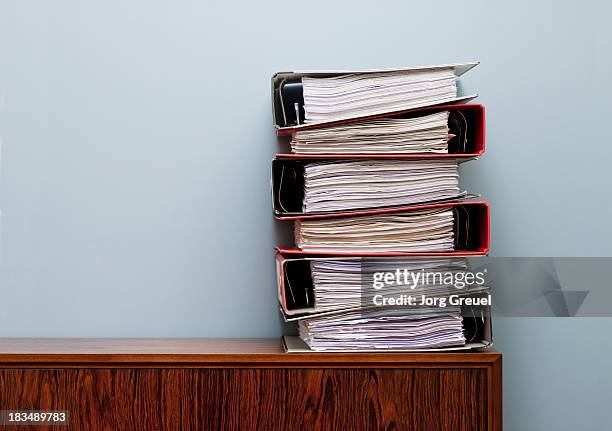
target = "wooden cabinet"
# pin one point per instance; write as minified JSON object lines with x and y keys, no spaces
{"x":247,"y":385}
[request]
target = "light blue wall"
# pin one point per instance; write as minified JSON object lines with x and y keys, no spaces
{"x":136,"y":140}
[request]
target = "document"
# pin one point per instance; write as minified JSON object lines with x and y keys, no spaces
{"x":384,"y":329}
{"x":425,"y":134}
{"x":340,"y":284}
{"x":339,"y":186}
{"x":429,"y":230}
{"x":362,"y":94}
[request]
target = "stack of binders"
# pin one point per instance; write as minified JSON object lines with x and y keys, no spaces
{"x":371,"y":184}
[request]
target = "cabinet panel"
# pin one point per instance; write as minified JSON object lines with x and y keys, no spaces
{"x":425,"y":399}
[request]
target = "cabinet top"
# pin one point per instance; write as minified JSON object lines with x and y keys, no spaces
{"x":209,"y":352}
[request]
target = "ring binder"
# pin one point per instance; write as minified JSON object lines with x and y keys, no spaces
{"x":476,"y":232}
{"x":466,"y":121}
{"x":294,"y":194}
{"x":287,"y":89}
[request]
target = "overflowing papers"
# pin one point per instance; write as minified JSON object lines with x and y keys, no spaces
{"x":363,"y":94}
{"x":383,"y":329}
{"x":425,"y":134}
{"x":338,"y":186}
{"x":340,"y":284}
{"x":429,"y":230}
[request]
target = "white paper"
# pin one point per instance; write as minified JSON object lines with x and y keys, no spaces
{"x":428,"y":230}
{"x":383,"y":329}
{"x":338,"y":186}
{"x":338,"y":283}
{"x":361,"y":94}
{"x":425,"y":134}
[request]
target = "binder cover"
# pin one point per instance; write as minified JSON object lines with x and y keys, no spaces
{"x":472,"y":229}
{"x":287,"y":188}
{"x":293,"y":344}
{"x":283,"y":78}
{"x":478,"y":330}
{"x":474,"y":134}
{"x":295,"y":286}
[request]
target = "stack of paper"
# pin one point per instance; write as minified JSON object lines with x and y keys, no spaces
{"x":425,"y":134}
{"x":338,"y":186}
{"x":384,"y":329}
{"x":362,"y":94}
{"x":428,"y":230}
{"x":361,"y":184}
{"x":344,"y":284}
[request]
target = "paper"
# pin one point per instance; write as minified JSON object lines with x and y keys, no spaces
{"x":384,"y":329}
{"x":425,"y":134}
{"x":428,"y":230}
{"x":338,"y":186}
{"x":362,"y":94}
{"x":340,"y":284}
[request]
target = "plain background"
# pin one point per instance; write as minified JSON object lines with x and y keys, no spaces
{"x":136,"y":145}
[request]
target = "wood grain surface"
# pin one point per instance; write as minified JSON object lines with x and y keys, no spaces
{"x":186,"y":385}
{"x":253,"y":399}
